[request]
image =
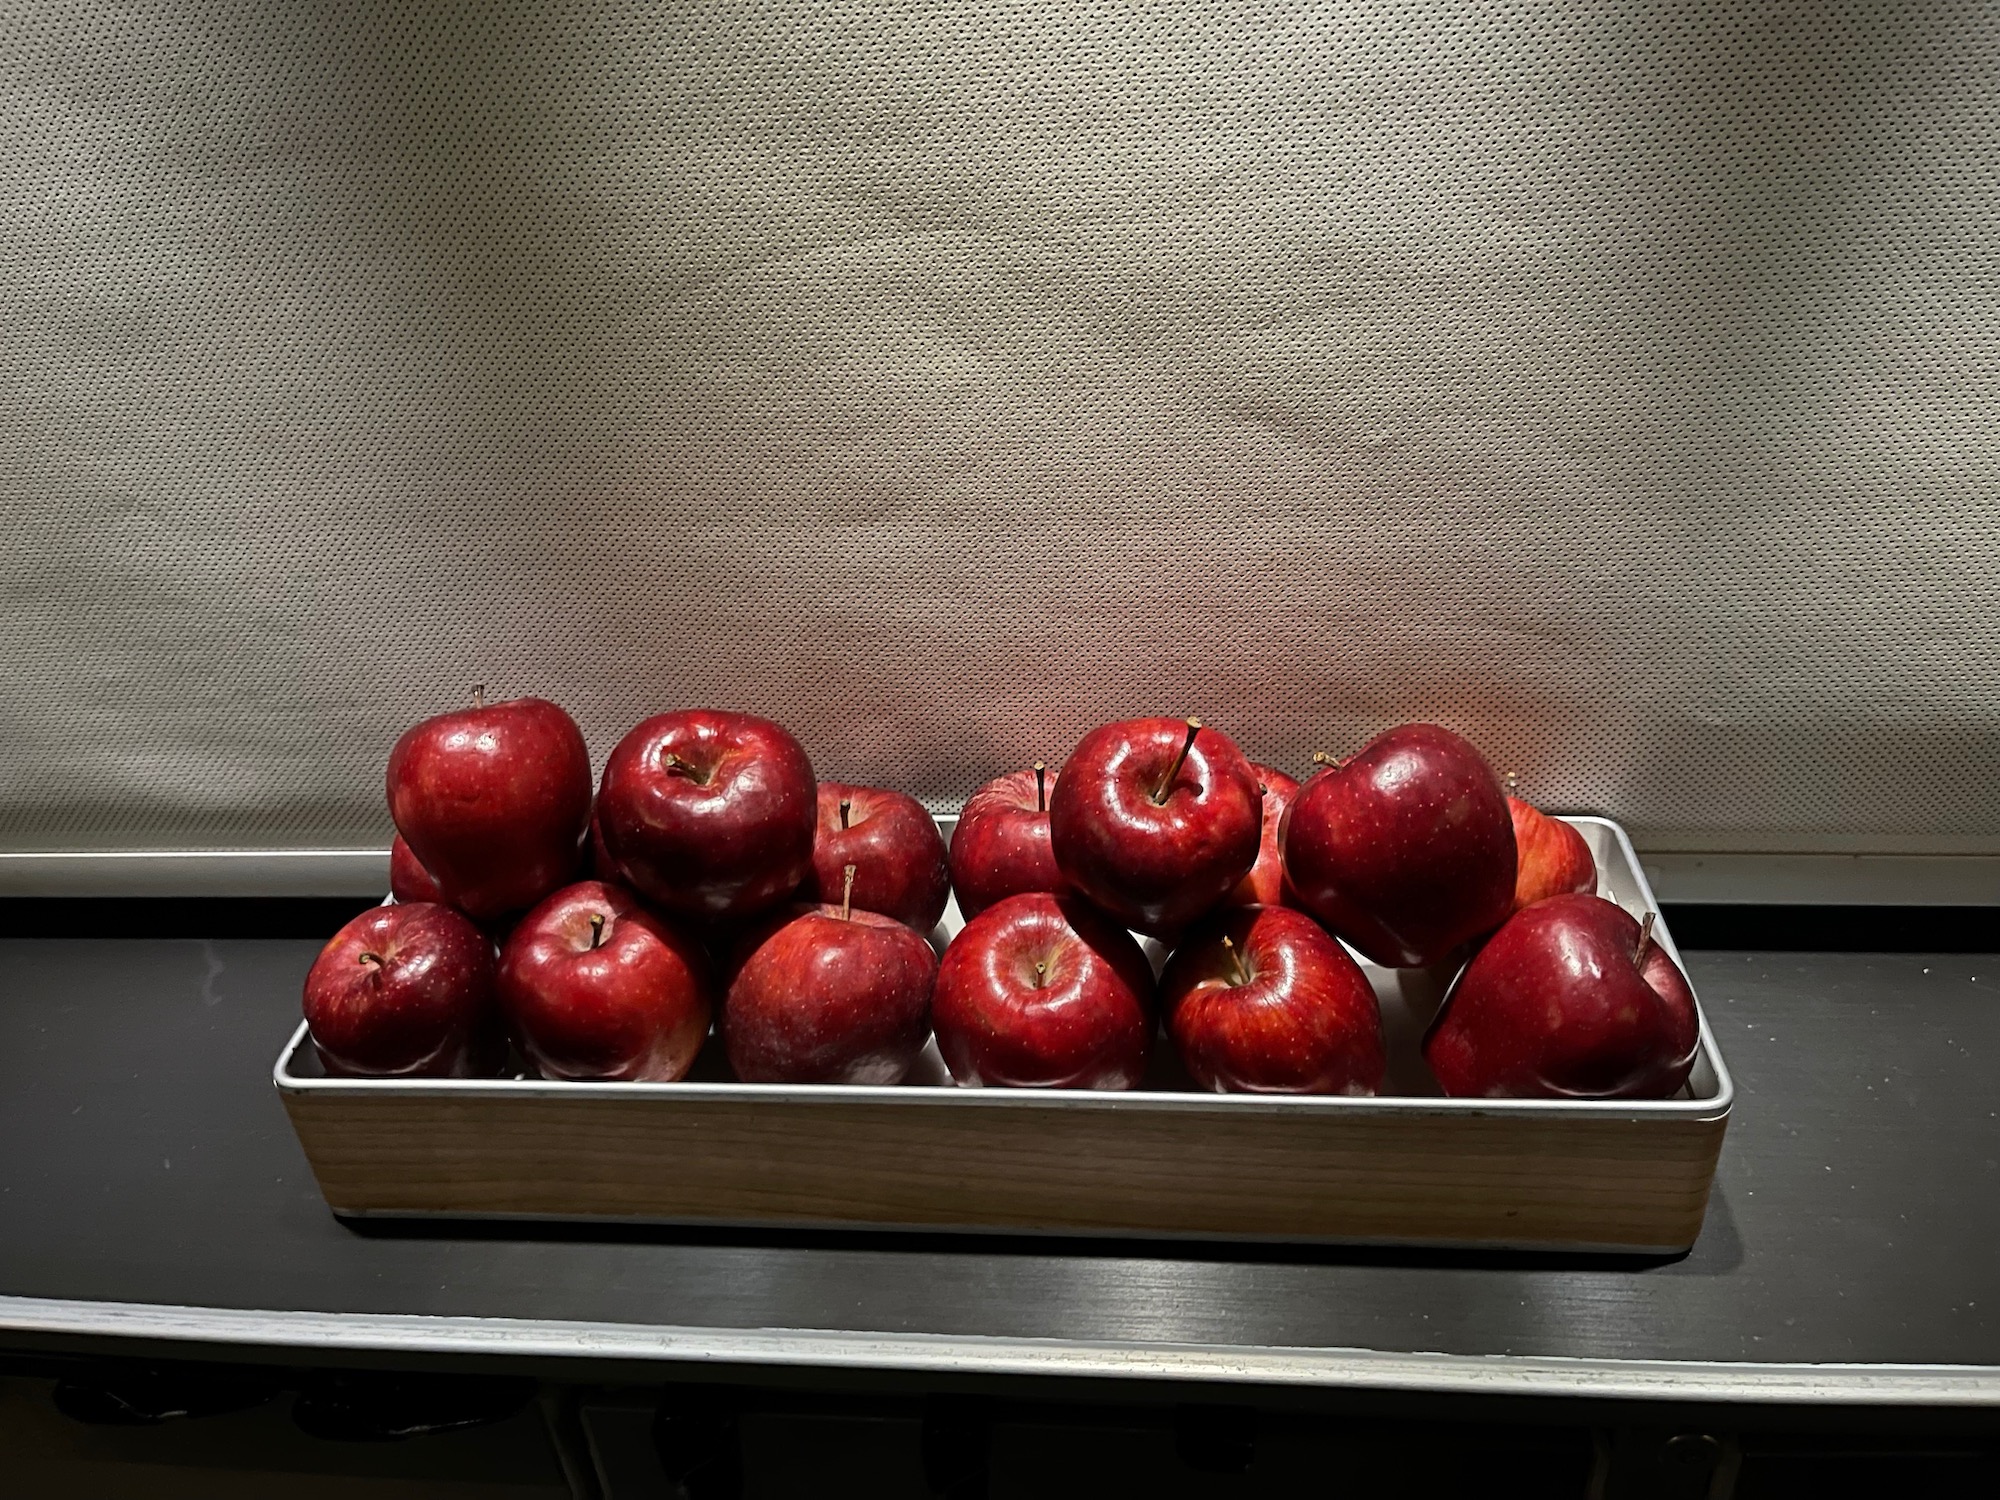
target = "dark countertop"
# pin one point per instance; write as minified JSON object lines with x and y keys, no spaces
{"x":1854,"y":1219}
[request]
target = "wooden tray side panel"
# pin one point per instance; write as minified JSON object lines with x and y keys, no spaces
{"x":1464,"y":1179}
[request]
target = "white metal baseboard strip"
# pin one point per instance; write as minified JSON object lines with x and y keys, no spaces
{"x":1851,"y":1384}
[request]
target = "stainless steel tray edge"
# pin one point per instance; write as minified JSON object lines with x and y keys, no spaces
{"x":1715,"y":1104}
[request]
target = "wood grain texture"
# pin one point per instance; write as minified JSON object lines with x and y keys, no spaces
{"x":1322,"y":1175}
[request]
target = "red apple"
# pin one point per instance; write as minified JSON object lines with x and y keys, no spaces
{"x":1570,"y":1000}
{"x":832,"y":995}
{"x":896,"y":850}
{"x":1044,"y":991}
{"x":402,"y":991}
{"x":1265,"y":884}
{"x":493,"y":801}
{"x":595,"y":986}
{"x":1000,"y":847}
{"x":1406,"y":849}
{"x":598,"y":858}
{"x":408,"y":879}
{"x":1551,"y":857}
{"x":1155,"y":820}
{"x":709,"y":813}
{"x":1263,"y":1001}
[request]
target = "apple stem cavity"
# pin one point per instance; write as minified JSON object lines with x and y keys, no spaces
{"x":596,"y":929}
{"x":846,"y":806}
{"x":1645,"y":938}
{"x":1160,"y":796}
{"x":847,"y":893}
{"x":1237,"y":973}
{"x":1041,"y":787}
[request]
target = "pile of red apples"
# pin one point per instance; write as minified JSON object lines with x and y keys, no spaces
{"x":713,"y":886}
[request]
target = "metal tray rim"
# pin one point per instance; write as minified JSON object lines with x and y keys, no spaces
{"x":1710,"y":1107}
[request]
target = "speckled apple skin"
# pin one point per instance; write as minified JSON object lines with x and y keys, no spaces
{"x":822,"y":998}
{"x":1551,"y":858}
{"x":1001,"y":846}
{"x":634,"y":1004}
{"x":1156,"y":866}
{"x":1406,"y":850}
{"x":729,"y":837}
{"x":404,"y":991}
{"x":1556,"y":1007}
{"x":1265,"y":884}
{"x":493,"y":802}
{"x":1086,"y":1021}
{"x":1291,"y":1013}
{"x":891,"y":839}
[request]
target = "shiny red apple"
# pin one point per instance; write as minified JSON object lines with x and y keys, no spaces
{"x":1551,"y":857}
{"x":493,"y":800}
{"x":403,"y":991}
{"x":1044,"y":991}
{"x":1262,"y":1000}
{"x":1570,"y":1000}
{"x":831,"y":995}
{"x":1155,"y":820}
{"x":892,"y":841}
{"x":408,"y":879}
{"x":709,"y":813}
{"x":1265,"y":884}
{"x":594,"y":986}
{"x":1406,"y":849}
{"x":1000,"y":847}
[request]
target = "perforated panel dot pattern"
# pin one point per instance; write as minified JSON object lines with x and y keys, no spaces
{"x":1613,"y":382}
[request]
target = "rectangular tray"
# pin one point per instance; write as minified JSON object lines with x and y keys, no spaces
{"x":1408,"y":1168}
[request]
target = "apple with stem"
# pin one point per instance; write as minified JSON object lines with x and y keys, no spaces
{"x":1571,"y":999}
{"x":833,"y":994}
{"x":1001,"y":846}
{"x":403,"y":991}
{"x":893,"y":844}
{"x":1044,"y":991}
{"x":1262,"y":1000}
{"x":1405,"y":849}
{"x":595,"y":986}
{"x":492,"y":801}
{"x":1155,"y":820}
{"x":708,"y":813}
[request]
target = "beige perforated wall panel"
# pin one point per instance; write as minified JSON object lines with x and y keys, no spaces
{"x":1613,"y":382}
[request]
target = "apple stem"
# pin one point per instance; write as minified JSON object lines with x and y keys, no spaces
{"x":679,"y":767}
{"x":1041,"y":787}
{"x":1041,"y":972}
{"x":846,"y":805}
{"x":847,"y":893}
{"x":1645,"y":937}
{"x":596,"y":928}
{"x":479,"y":695}
{"x":1513,"y":783}
{"x":372,"y":958}
{"x":1236,"y":970}
{"x":1160,"y":796}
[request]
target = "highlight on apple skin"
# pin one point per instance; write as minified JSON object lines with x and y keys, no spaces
{"x":1155,"y":820}
{"x":1571,"y":999}
{"x":403,"y":991}
{"x":1044,"y":991}
{"x":595,"y":986}
{"x":1262,"y":1000}
{"x":1405,"y":849}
